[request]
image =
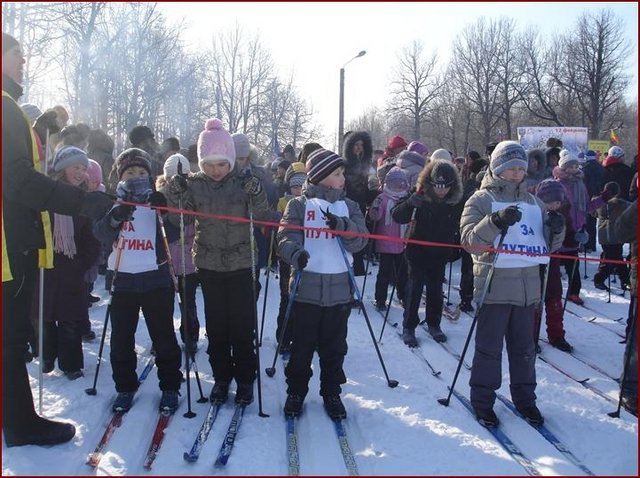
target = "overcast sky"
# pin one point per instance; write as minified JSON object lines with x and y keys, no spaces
{"x":314,"y":39}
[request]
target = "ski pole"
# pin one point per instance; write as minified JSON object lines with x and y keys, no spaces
{"x":391,"y":383}
{"x":366,"y":274}
{"x":633,"y":331}
{"x":449,"y":284}
{"x":266,"y":285}
{"x":566,"y":296}
{"x":294,"y":289}
{"x":252,"y":242}
{"x":119,"y":244}
{"x":445,"y":401}
{"x":609,"y":287}
{"x":393,"y":290}
{"x":543,"y":295}
{"x":585,"y":262}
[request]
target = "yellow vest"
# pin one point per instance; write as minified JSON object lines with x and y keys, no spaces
{"x":45,"y":256}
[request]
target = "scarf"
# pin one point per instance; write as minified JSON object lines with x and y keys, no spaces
{"x":574,"y":184}
{"x":63,"y":235}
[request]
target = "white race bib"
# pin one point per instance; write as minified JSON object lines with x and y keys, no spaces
{"x":526,"y":235}
{"x":138,"y":243}
{"x":325,"y":256}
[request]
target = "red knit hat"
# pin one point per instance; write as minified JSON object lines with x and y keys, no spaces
{"x":397,"y":142}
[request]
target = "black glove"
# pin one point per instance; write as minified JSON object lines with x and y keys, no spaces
{"x":506,"y":217}
{"x":157,"y":199}
{"x":416,"y":199}
{"x":581,"y":237}
{"x":251,"y":184}
{"x":555,"y":222}
{"x":96,"y":204}
{"x":334,"y":222}
{"x":122,"y":213}
{"x":178,"y":184}
{"x":303,"y":259}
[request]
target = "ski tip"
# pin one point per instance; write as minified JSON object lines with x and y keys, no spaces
{"x":189,"y":457}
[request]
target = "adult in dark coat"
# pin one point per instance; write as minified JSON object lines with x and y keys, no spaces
{"x":358,"y":151}
{"x":25,"y":193}
{"x":617,"y":171}
{"x":594,"y":174}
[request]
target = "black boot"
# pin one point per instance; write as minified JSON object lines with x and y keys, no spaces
{"x":409,"y":337}
{"x":334,"y":407}
{"x":486,"y":417}
{"x":220,"y":392}
{"x":40,"y":432}
{"x":293,"y":405}
{"x":532,"y":415}
{"x":244,"y":393}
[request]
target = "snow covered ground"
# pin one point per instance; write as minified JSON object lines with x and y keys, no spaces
{"x":399,"y":431}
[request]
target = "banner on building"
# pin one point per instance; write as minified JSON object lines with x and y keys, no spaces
{"x":575,"y":139}
{"x":600,"y":147}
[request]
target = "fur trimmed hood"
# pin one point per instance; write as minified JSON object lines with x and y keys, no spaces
{"x":350,"y":140}
{"x":440,"y":168}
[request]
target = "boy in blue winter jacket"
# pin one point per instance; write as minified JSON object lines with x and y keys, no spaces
{"x":322,"y":301}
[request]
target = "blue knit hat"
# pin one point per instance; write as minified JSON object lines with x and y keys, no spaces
{"x":508,"y":154}
{"x":550,"y":190}
{"x":68,"y":156}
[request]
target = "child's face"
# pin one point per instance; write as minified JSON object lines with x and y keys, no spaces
{"x":216,"y":170}
{"x":441,"y":193}
{"x":134,"y":172}
{"x":571,"y":169}
{"x":92,"y":185}
{"x":296,"y":190}
{"x":75,"y":174}
{"x":335,"y":180}
{"x":513,"y":175}
{"x":397,"y":186}
{"x":553,"y":205}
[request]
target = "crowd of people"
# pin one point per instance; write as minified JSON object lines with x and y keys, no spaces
{"x":75,"y":209}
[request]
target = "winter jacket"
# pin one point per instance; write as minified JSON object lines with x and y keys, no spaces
{"x":517,"y":286}
{"x":594,"y":174}
{"x":377,"y":213}
{"x":25,"y":191}
{"x":576,"y":192}
{"x":437,"y":220}
{"x":412,"y":163}
{"x":620,"y":173}
{"x":534,"y":177}
{"x":221,"y":245}
{"x":324,"y":290}
{"x":356,"y":170}
{"x":607,"y":217}
{"x":626,"y":230}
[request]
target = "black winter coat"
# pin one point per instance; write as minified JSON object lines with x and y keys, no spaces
{"x":621,"y":174}
{"x":594,"y":174}
{"x":356,"y":170}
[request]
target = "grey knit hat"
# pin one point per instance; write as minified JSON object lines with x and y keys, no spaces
{"x":68,"y":156}
{"x":507,"y":154}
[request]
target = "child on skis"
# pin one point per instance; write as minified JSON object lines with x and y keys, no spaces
{"x":295,"y":178}
{"x":188,"y":298}
{"x":552,"y":193}
{"x":222,"y":256}
{"x":393,"y":267}
{"x":322,"y":302}
{"x":506,"y":311}
{"x":437,"y":205}
{"x":65,"y":293}
{"x":141,"y":281}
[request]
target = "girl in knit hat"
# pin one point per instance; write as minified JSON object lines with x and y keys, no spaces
{"x":222,"y":256}
{"x":322,"y":301}
{"x":568,"y":173}
{"x":436,"y":206}
{"x":75,"y":251}
{"x":392,"y":263}
{"x":507,"y":308}
{"x":142,"y":281}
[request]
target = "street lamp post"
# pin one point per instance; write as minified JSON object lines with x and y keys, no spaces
{"x":341,"y":110}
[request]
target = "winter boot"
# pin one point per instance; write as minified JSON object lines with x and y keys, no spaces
{"x":93,"y":298}
{"x":561,"y":344}
{"x":219,"y":393}
{"x":465,"y":306}
{"x":244,"y":393}
{"x":630,"y":403}
{"x":48,"y":366}
{"x":486,"y":417}
{"x":532,"y":415}
{"x":293,"y":405}
{"x":436,"y":332}
{"x":40,"y":432}
{"x":575,"y":298}
{"x":74,"y":374}
{"x":334,"y":407}
{"x":600,"y":285}
{"x":169,"y":401}
{"x":89,"y":336}
{"x":123,"y":402}
{"x":379,"y":306}
{"x":409,"y":337}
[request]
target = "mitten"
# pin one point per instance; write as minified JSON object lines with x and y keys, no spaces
{"x":581,"y":237}
{"x":122,"y":213}
{"x":506,"y":217}
{"x":555,"y":222}
{"x":303,"y":259}
{"x":157,"y":199}
{"x":251,"y":184}
{"x":416,"y":199}
{"x":178,"y":184}
{"x":334,"y":222}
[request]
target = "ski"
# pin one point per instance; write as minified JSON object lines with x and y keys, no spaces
{"x":549,"y":436}
{"x":293,"y":458}
{"x":448,"y":348}
{"x":584,"y":382}
{"x":417,"y":351}
{"x":383,"y":314}
{"x":158,"y":437}
{"x":503,"y":439}
{"x":593,"y":321}
{"x":230,"y":437}
{"x":116,"y":420}
{"x":193,"y":454}
{"x":588,"y":363}
{"x":347,"y":454}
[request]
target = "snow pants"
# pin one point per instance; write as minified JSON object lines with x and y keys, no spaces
{"x":157,"y":308}
{"x":421,"y":275}
{"x":552,"y":302}
{"x":324,"y":328}
{"x":229,"y":315}
{"x":393,"y":269}
{"x":189,"y":301}
{"x":63,"y":341}
{"x":466,"y":276}
{"x":497,"y":322}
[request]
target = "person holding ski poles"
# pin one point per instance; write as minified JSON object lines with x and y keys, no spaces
{"x":322,"y":302}
{"x":142,"y":280}
{"x":222,"y":256}
{"x":503,"y":207}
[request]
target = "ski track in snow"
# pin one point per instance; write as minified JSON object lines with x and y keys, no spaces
{"x":401,"y":431}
